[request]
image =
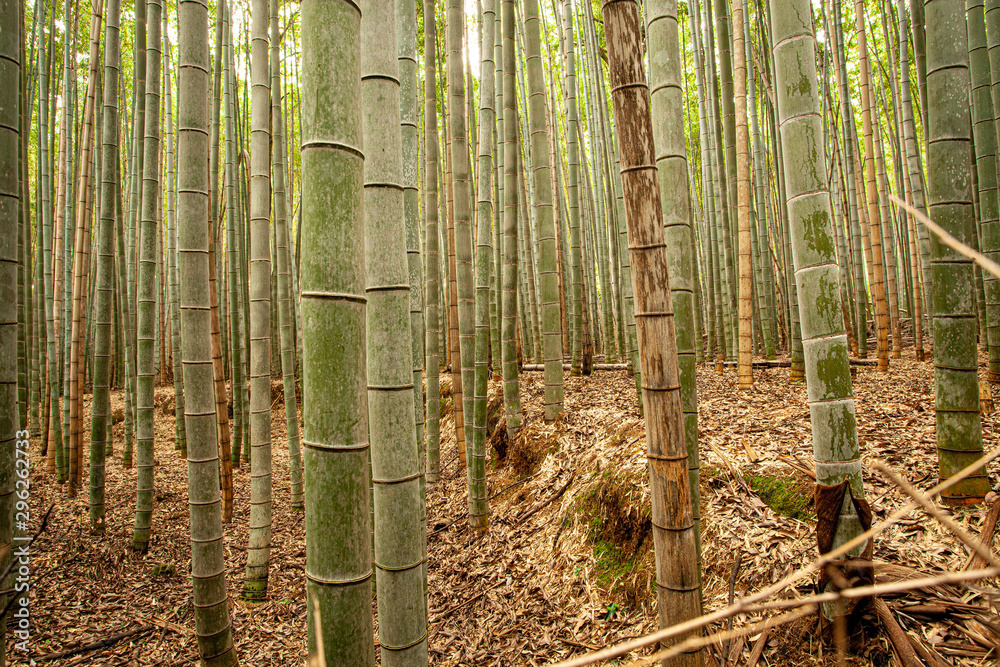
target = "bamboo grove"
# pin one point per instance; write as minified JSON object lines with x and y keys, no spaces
{"x":208,"y":196}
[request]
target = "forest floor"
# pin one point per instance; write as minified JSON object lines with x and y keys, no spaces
{"x":567,"y":564}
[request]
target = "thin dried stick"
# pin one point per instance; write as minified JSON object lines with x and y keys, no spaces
{"x":949,"y":240}
{"x":872,"y":590}
{"x":810,"y":602}
{"x":732,"y":595}
{"x":986,"y":536}
{"x":900,"y":642}
{"x":723,"y":636}
{"x":929,"y":507}
{"x":744,"y":604}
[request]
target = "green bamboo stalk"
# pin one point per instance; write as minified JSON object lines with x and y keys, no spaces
{"x":765,"y":306}
{"x":706,"y":175}
{"x":956,"y":390}
{"x":847,"y":120}
{"x":100,"y":430}
{"x":406,"y":36}
{"x":511,"y":386}
{"x":476,"y":469}
{"x":721,"y":82}
{"x":338,"y":543}
{"x":915,"y":179}
{"x":259,"y":545}
{"x":666,"y":99}
{"x":828,"y":379}
{"x":23,"y":244}
{"x":146,"y":307}
{"x":211,"y":601}
{"x":572,"y":189}
{"x":432,"y":268}
{"x":541,"y":178}
{"x":135,"y":205}
{"x":180,"y":436}
{"x":232,"y":242}
{"x":532,"y":336}
{"x":498,"y":148}
{"x":985,"y":145}
{"x":285,"y":310}
{"x":399,"y":534}
{"x":12,"y":436}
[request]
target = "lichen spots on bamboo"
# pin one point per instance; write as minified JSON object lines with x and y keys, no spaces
{"x":826,"y":379}
{"x":816,"y":234}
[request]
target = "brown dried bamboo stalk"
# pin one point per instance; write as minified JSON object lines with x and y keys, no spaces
{"x":877,"y":284}
{"x":678,"y":581}
{"x":81,"y":261}
{"x":745,"y":308}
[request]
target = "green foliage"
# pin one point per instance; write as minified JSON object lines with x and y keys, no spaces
{"x":787,"y":496}
{"x":619,"y":528}
{"x":164,"y":570}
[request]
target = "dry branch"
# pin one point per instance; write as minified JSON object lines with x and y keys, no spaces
{"x":698,"y":642}
{"x":900,"y":642}
{"x":750,"y":604}
{"x":950,"y":241}
{"x":985,"y":537}
{"x":929,"y":507}
{"x":93,"y":646}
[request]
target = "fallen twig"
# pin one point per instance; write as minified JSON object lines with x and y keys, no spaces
{"x":167,"y":625}
{"x":950,"y":241}
{"x":798,"y":467}
{"x":702,"y":641}
{"x":556,"y":496}
{"x":511,"y":486}
{"x":93,"y":646}
{"x":450,"y":610}
{"x":900,"y":642}
{"x":985,"y":537}
{"x":746,"y":604}
{"x":928,"y":654}
{"x":732,"y":594}
{"x":576,"y":643}
{"x":758,"y":646}
{"x":929,"y":507}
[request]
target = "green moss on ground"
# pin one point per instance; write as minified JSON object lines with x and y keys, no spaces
{"x":787,"y":496}
{"x":619,"y":528}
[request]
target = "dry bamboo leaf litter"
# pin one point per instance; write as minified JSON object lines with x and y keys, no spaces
{"x":536,"y":588}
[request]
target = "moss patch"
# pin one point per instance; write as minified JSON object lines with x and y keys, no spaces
{"x":787,"y":496}
{"x":619,"y":528}
{"x":444,"y":396}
